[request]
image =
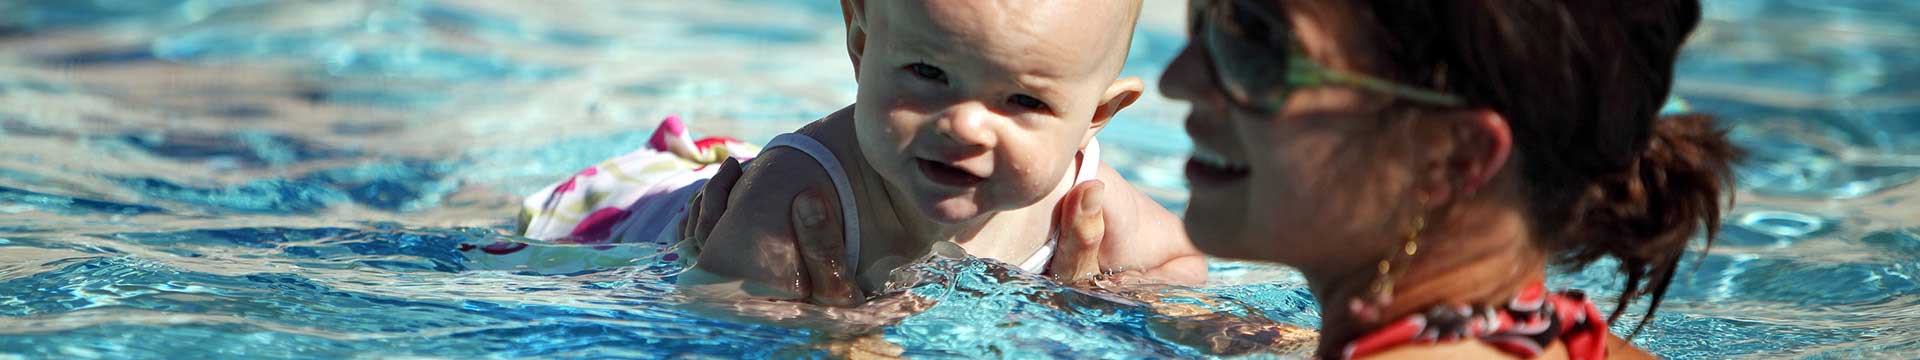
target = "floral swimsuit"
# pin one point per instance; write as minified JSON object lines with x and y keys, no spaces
{"x":1523,"y":328}
{"x":629,"y":207}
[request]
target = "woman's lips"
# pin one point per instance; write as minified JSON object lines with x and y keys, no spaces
{"x":1206,"y":168}
{"x":1203,"y":174}
{"x":948,"y":175}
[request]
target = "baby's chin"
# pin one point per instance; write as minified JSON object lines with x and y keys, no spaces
{"x":951,"y":209}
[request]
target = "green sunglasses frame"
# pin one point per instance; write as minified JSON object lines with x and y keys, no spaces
{"x":1303,"y":72}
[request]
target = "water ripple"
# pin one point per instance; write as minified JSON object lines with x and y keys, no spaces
{"x":264,"y":179}
{"x":393,"y":186}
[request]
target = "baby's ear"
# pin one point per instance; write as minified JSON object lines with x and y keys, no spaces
{"x":854,"y":13}
{"x":1119,"y":95}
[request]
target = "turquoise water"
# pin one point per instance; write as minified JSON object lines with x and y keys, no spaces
{"x":253,"y":178}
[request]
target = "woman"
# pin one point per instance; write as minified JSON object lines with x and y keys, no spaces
{"x":1422,"y":163}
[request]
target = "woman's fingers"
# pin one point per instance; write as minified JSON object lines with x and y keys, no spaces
{"x":1077,"y":257}
{"x":711,"y":203}
{"x":822,"y":243}
{"x":686,"y":225}
{"x":816,"y":229}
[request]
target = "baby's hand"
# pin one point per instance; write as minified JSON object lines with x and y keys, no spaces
{"x":748,"y":239}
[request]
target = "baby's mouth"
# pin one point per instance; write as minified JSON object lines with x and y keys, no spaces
{"x":945,"y":174}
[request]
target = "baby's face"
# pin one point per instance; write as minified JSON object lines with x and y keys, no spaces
{"x":975,"y":106}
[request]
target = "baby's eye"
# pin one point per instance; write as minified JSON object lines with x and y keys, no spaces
{"x":1027,"y":102}
{"x":928,"y":72}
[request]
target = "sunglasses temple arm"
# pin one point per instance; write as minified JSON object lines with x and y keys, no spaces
{"x":1416,"y":94}
{"x":1312,"y":73}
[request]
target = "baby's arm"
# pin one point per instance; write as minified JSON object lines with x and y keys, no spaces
{"x":776,"y":235}
{"x":1136,"y":235}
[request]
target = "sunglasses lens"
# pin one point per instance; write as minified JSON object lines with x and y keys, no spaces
{"x":1248,"y":51}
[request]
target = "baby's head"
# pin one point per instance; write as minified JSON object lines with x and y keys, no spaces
{"x":975,"y":106}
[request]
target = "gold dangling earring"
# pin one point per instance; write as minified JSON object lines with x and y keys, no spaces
{"x":1381,"y":292}
{"x":1383,"y":282}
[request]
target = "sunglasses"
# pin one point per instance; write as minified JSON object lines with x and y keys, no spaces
{"x":1258,"y":60}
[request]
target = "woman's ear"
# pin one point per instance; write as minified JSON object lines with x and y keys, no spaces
{"x":1119,"y":95}
{"x":854,"y":13}
{"x":1473,"y":151}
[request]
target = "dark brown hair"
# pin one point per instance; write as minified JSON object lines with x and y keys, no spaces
{"x":1581,"y":84}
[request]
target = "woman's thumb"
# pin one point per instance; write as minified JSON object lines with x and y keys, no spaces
{"x":1077,"y":257}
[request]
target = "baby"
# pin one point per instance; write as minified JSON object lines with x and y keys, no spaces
{"x":975,"y":120}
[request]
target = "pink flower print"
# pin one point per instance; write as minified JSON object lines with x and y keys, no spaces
{"x":564,"y":187}
{"x":597,"y":227}
{"x":568,"y":186}
{"x":504,"y":247}
{"x":670,"y":130}
{"x":711,"y":141}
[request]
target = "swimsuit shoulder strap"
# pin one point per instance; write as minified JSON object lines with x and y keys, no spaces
{"x":1089,"y":169}
{"x":849,"y":214}
{"x":1089,"y":163}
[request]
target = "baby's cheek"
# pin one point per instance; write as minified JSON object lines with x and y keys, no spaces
{"x":1037,"y":176}
{"x":888,"y":131}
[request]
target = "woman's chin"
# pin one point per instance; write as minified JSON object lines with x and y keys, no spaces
{"x":1216,"y":221}
{"x":1213,"y":234}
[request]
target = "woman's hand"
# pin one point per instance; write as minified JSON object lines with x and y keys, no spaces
{"x":808,"y":236}
{"x":1083,"y":214}
{"x":1131,"y":237}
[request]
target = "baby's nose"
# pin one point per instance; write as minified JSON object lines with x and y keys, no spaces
{"x":970,"y":124}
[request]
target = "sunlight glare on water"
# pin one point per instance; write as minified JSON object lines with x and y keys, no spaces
{"x":283,"y":179}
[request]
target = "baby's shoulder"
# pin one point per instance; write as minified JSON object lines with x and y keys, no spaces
{"x":785,"y":165}
{"x":772,"y":179}
{"x":783,"y":171}
{"x":769,"y":182}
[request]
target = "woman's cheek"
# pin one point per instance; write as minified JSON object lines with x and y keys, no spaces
{"x":1281,"y":195}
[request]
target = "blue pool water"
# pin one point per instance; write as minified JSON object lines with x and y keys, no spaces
{"x":257,"y":178}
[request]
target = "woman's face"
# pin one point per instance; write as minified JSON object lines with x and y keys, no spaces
{"x":1303,"y":186}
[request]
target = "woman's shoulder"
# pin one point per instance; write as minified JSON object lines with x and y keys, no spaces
{"x":1617,"y":348}
{"x":1461,"y":350}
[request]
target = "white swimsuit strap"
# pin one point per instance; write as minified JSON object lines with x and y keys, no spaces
{"x":1088,"y":155}
{"x":849,"y":214}
{"x":1089,"y":170}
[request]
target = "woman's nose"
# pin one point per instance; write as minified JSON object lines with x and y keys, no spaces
{"x":969,"y":124}
{"x":1187,"y":78}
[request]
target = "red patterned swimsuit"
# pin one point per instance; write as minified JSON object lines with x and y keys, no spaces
{"x":1523,"y":328}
